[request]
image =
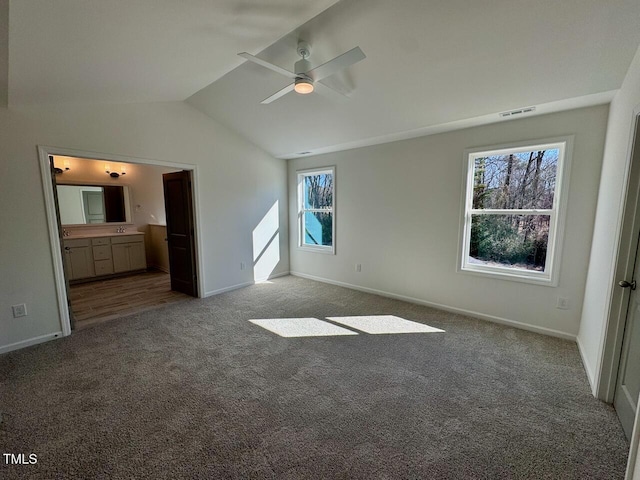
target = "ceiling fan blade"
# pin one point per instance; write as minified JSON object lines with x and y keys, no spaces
{"x":333,"y":66}
{"x":330,"y":92}
{"x":268,"y":65}
{"x":278,"y":94}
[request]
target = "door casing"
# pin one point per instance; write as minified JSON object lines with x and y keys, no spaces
{"x":52,"y":220}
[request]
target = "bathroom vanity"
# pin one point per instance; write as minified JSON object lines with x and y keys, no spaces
{"x":88,"y":256}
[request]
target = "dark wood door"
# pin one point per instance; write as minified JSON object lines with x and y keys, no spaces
{"x":180,"y":232}
{"x":114,"y":204}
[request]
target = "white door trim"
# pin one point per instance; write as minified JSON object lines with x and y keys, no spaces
{"x":623,"y":259}
{"x":633,"y":451}
{"x":52,"y":222}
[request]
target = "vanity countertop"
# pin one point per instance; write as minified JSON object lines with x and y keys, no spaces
{"x":103,"y":234}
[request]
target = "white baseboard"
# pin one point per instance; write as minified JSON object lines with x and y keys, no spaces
{"x":587,"y":367}
{"x":30,"y":342}
{"x":270,"y":277}
{"x":245,"y":284}
{"x":471,"y":313}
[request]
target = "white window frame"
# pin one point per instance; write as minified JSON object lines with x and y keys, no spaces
{"x":301,"y":174}
{"x":550,"y":276}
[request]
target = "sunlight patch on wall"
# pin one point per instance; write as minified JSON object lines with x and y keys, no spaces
{"x":301,"y":327}
{"x":268,"y":261}
{"x":266,"y":245}
{"x":384,"y":324}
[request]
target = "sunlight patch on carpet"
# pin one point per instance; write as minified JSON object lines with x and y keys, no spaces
{"x":301,"y":327}
{"x":381,"y":324}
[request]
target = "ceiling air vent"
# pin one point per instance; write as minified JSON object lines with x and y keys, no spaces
{"x":304,"y":153}
{"x":519,"y":111}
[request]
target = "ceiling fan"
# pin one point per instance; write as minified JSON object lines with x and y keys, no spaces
{"x":304,"y":77}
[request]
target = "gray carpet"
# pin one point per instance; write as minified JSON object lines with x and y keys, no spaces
{"x":194,"y":390}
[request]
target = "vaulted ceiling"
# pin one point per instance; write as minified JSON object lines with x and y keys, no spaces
{"x":431,"y":65}
{"x":121,"y":51}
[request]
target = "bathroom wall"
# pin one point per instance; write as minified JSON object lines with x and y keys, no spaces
{"x":146,"y":197}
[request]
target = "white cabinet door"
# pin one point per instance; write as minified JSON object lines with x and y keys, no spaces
{"x":79,"y":262}
{"x":128,"y":256}
{"x":137,"y":258}
{"x":120,"y":255}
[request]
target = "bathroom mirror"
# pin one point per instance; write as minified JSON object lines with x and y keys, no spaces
{"x":93,"y":204}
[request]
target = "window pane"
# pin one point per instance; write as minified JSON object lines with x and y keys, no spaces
{"x":518,"y":180}
{"x":514,"y":241}
{"x":318,"y":191}
{"x":318,"y":228}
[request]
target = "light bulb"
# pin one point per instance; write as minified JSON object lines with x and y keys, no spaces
{"x":303,"y":87}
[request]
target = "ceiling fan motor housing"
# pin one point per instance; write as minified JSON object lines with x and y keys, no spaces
{"x":303,"y":83}
{"x":302,"y":66}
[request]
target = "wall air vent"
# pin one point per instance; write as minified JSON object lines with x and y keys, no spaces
{"x":519,"y":111}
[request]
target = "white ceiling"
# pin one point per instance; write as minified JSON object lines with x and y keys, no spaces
{"x":431,"y":64}
{"x":120,"y":51}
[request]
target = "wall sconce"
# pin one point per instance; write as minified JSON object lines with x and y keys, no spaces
{"x":59,"y":171}
{"x":107,"y":169}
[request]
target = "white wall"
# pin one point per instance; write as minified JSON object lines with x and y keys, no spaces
{"x":398,"y":210}
{"x":238,"y":184}
{"x":600,"y":296}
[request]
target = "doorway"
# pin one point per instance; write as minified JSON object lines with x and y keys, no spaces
{"x":111,"y":268}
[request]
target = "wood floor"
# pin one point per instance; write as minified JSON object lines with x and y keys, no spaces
{"x":107,"y":299}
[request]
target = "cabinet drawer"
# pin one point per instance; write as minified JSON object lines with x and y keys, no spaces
{"x":128,"y":239}
{"x":77,"y":242}
{"x":101,"y":241}
{"x":102,"y":252}
{"x":103,"y":267}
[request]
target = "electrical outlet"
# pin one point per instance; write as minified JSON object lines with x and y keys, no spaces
{"x":358,"y":267}
{"x":242,"y":266}
{"x":19,"y":310}
{"x":562,"y":303}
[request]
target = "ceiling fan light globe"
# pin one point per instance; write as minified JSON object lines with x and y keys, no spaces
{"x":303,"y":87}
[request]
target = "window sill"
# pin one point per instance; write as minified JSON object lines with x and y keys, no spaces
{"x":324,"y":250}
{"x":513,"y":276}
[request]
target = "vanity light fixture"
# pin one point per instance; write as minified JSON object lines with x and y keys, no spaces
{"x":59,"y":171}
{"x":107,"y":169}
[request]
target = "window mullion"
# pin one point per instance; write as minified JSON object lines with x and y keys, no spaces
{"x":519,"y":211}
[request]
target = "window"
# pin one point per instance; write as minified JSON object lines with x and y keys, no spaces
{"x":513,"y":212}
{"x":315,"y":209}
